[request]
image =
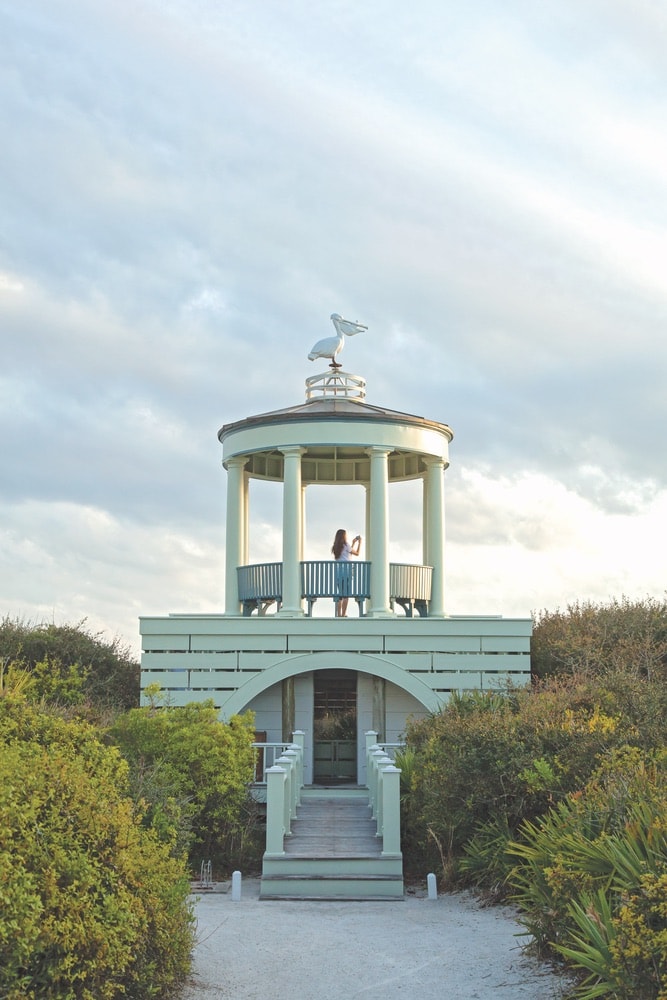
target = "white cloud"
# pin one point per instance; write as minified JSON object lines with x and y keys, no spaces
{"x":189,"y":189}
{"x":521,"y":545}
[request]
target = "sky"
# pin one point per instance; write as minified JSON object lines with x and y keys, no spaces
{"x":188,"y":190}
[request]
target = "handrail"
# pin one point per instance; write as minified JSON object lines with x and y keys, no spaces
{"x":383,"y":780}
{"x":266,"y":756}
{"x":261,"y":584}
{"x":284,"y":781}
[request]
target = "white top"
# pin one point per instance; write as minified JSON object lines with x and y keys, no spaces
{"x":345,"y":553}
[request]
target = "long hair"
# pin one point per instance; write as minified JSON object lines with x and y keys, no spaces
{"x":339,"y":542}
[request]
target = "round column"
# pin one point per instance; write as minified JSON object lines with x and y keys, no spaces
{"x":235,"y":532}
{"x":379,"y":532}
{"x":246,"y":519}
{"x":435,"y":533}
{"x":367,"y":523}
{"x":292,"y":532}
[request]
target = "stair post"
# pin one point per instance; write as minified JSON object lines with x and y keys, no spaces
{"x":381,"y":761}
{"x":391,"y":810}
{"x":275,"y":810}
{"x":293,"y":756}
{"x":288,"y":766}
{"x":373,"y":757}
{"x":299,"y":742}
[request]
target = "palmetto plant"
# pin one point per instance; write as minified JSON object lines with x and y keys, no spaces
{"x":591,"y":880}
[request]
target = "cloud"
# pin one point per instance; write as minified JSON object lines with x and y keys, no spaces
{"x":189,"y":189}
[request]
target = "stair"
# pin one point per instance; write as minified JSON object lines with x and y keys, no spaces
{"x":333,"y":852}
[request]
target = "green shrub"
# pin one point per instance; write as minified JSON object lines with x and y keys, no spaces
{"x":592,"y":875}
{"x":503,"y":759}
{"x":92,"y":906}
{"x":69,"y":663}
{"x":485,"y":863}
{"x":193,"y":771}
{"x":597,"y":639}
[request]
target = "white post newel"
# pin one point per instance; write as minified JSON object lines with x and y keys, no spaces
{"x":371,"y":739}
{"x":299,"y":743}
{"x":391,"y":810}
{"x":293,"y":756}
{"x":275,"y":798}
{"x":373,"y":758}
{"x":287,"y":765}
{"x":380,"y":764}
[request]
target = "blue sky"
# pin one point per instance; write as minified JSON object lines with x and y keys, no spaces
{"x":189,"y":189}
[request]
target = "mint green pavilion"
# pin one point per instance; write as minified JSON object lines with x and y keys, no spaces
{"x":334,"y":679}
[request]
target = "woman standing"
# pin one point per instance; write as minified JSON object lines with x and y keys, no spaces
{"x":342,"y":550}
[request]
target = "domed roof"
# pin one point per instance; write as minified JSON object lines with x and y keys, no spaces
{"x":332,"y":409}
{"x":335,"y":432}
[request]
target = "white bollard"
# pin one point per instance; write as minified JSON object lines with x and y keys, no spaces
{"x":432,"y":887}
{"x":236,"y":887}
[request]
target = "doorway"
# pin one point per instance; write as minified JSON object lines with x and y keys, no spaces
{"x":335,"y":727}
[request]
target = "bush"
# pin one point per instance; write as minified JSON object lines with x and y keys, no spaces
{"x":596,"y":639}
{"x":488,"y":762}
{"x":193,"y":771}
{"x":592,"y":876}
{"x":68,"y":663}
{"x":92,"y":906}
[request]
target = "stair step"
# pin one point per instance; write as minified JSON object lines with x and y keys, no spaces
{"x":332,"y":887}
{"x":344,"y":866}
{"x":332,"y":853}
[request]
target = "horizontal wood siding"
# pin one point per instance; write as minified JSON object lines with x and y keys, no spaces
{"x":199,"y":656}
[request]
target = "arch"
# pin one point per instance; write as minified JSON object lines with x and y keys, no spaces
{"x":302,"y":663}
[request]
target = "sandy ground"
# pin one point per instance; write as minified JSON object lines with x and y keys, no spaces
{"x":449,"y":948}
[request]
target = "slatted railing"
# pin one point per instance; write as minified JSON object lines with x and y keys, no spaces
{"x":261,"y":584}
{"x":328,"y":578}
{"x":410,"y":586}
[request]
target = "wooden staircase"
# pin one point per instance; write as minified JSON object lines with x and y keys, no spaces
{"x":333,"y":852}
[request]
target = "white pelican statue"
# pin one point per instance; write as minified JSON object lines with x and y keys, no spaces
{"x":331,"y":346}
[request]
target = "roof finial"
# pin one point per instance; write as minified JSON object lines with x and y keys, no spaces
{"x":332,"y":346}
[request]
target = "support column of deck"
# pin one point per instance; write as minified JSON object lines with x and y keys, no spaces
{"x":435,"y":533}
{"x":292,"y":533}
{"x":246,"y":519}
{"x":379,"y":532}
{"x":236,"y":531}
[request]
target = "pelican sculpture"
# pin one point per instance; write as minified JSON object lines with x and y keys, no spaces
{"x":330,"y":347}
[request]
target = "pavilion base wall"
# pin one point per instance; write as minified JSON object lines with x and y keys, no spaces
{"x":241,"y":663}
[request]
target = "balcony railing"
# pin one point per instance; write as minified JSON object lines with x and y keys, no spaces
{"x":261,"y":584}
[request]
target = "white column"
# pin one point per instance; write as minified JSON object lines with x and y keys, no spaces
{"x":235,"y":532}
{"x":379,"y":532}
{"x":246,"y":518}
{"x":435,"y":533}
{"x":425,"y":520}
{"x":291,"y":607}
{"x":302,"y":539}
{"x":367,"y":523}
